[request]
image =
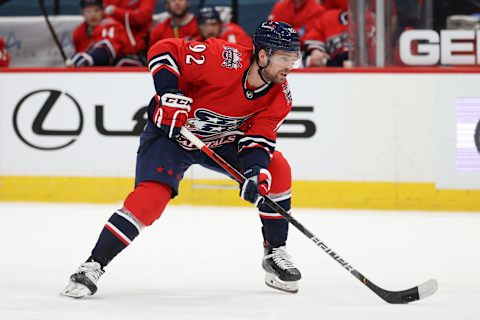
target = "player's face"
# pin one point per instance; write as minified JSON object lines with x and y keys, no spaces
{"x":177,"y":8}
{"x":210,"y":29}
{"x":93,"y":15}
{"x":281,"y":62}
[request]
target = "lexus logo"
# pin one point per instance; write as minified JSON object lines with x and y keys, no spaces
{"x":477,"y":136}
{"x":34,"y":119}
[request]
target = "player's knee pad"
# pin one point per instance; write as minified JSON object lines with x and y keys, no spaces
{"x":280,"y":191}
{"x":281,"y":174}
{"x":148,"y":200}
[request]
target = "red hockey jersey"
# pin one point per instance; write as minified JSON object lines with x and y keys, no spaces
{"x":4,"y":57}
{"x":109,"y":29}
{"x":329,"y":33}
{"x":166,"y":30}
{"x":300,"y":18}
{"x":335,"y":4}
{"x":214,"y":74}
{"x":136,"y":16}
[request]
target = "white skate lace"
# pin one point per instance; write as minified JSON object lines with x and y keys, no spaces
{"x":92,"y":270}
{"x":281,"y":258}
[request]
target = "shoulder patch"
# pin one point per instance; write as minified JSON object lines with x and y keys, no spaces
{"x":231,"y":58}
{"x":286,"y":91}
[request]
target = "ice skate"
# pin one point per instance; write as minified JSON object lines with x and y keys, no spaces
{"x":84,"y":281}
{"x":281,"y":274}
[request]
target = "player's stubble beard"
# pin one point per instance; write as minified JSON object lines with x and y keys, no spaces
{"x":275,"y":76}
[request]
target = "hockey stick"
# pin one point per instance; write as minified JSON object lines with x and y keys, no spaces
{"x":421,"y":291}
{"x":43,"y":9}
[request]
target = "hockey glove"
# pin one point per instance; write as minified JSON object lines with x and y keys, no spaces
{"x":256,"y":186}
{"x":172,"y":113}
{"x":82,"y":59}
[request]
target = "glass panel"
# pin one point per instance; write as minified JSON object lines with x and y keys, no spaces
{"x":376,"y":26}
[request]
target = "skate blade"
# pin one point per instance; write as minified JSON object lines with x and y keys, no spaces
{"x":76,"y":290}
{"x":274,"y":282}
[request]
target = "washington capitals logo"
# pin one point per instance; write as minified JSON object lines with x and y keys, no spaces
{"x":231,"y":58}
{"x":214,"y":129}
{"x":208,"y":123}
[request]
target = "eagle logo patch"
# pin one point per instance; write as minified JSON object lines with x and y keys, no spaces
{"x":231,"y":58}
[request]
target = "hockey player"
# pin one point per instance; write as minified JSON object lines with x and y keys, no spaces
{"x":234,"y":99}
{"x":301,"y":14}
{"x":181,"y":23}
{"x":4,"y":57}
{"x":101,"y":41}
{"x":136,"y":16}
{"x":326,"y":43}
{"x":210,"y":26}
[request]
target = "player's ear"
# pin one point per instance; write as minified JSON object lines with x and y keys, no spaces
{"x":261,"y":53}
{"x":262,"y":57}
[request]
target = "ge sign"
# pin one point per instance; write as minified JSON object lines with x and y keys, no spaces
{"x":450,"y":47}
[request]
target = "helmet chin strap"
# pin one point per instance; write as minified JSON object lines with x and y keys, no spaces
{"x":260,"y":68}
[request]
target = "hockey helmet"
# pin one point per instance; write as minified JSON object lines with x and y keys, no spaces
{"x":274,"y":35}
{"x":86,"y":3}
{"x":208,"y":14}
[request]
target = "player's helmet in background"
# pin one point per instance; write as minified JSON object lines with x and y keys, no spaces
{"x":274,"y":35}
{"x":208,"y":14}
{"x":86,"y":3}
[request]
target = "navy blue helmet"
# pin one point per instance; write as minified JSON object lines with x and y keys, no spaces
{"x":273,"y":35}
{"x":86,"y":3}
{"x":206,"y":14}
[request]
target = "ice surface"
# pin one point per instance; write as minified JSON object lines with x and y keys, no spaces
{"x":205,"y":263}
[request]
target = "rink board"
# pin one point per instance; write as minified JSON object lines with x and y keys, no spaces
{"x":384,"y":140}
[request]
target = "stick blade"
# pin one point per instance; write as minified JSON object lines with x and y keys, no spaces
{"x":427,"y":288}
{"x":419,"y":292}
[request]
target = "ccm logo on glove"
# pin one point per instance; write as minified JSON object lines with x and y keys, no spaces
{"x":171,"y":113}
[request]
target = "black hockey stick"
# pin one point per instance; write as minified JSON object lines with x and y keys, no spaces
{"x":421,"y":291}
{"x":43,"y":9}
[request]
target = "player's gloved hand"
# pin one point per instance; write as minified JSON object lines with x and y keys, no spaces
{"x":82,"y":59}
{"x":317,"y":58}
{"x":172,"y":112}
{"x":256,"y":186}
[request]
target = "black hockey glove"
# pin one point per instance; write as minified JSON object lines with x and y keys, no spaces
{"x":256,"y":186}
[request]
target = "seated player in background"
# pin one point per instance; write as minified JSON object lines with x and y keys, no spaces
{"x":210,"y":26}
{"x":300,"y":14}
{"x":4,"y":57}
{"x":101,"y":41}
{"x":181,"y":24}
{"x":325,"y":44}
{"x":136,"y":16}
{"x":233,"y":98}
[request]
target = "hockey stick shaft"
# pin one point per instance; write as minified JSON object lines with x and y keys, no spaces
{"x":405,"y":296}
{"x":43,"y":9}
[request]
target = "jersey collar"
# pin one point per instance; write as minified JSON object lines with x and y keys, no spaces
{"x":257,"y":93}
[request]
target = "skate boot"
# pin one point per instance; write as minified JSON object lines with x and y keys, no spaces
{"x":84,"y":281}
{"x":281,"y":274}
